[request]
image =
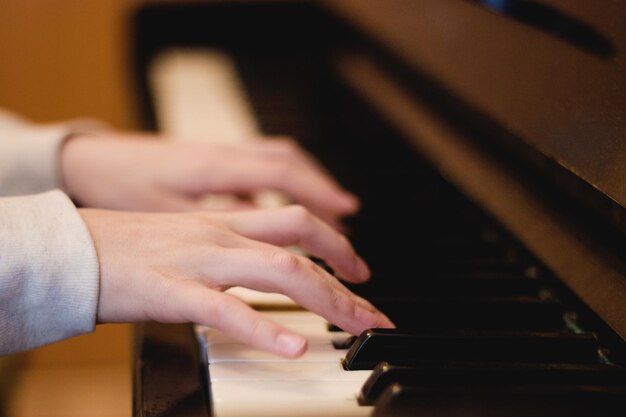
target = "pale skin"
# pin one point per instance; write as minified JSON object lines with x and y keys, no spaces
{"x":164,"y":257}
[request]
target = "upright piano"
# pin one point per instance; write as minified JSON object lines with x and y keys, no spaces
{"x":487,"y":142}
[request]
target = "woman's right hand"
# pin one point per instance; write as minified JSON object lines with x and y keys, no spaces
{"x":174,"y":267}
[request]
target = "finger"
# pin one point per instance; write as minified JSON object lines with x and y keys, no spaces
{"x":199,"y":304}
{"x":301,"y":181}
{"x":286,"y":147}
{"x":294,"y":225}
{"x":278,"y":270}
{"x":311,"y":187}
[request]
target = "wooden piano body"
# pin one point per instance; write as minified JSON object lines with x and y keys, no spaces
{"x":487,"y":140}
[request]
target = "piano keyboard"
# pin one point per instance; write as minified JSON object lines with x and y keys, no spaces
{"x":482,"y":326}
{"x":248,"y":382}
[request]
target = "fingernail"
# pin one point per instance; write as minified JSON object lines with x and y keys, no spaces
{"x":366,"y":317}
{"x":291,"y":344}
{"x":364,"y":271}
{"x":373,"y":319}
{"x":351,"y":201}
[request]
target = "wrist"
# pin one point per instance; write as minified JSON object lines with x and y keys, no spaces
{"x":73,"y":161}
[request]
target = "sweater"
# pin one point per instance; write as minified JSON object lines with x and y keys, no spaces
{"x":49,"y":273}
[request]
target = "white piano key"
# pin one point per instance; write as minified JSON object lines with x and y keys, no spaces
{"x":282,"y":398}
{"x":310,"y":325}
{"x":345,"y":408}
{"x":300,"y":317}
{"x":259,"y":298}
{"x":231,"y":352}
{"x":198,"y":96}
{"x":288,"y":391}
{"x":313,"y":335}
{"x":289,"y":319}
{"x":284,"y":371}
{"x":211,"y":338}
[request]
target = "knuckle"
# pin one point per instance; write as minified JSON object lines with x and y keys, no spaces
{"x":287,"y":263}
{"x":341,"y":302}
{"x":301,"y":218}
{"x":256,"y":331}
{"x":217,"y":233}
{"x":216,"y":312}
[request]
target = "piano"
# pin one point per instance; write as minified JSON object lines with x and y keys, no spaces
{"x":487,"y":142}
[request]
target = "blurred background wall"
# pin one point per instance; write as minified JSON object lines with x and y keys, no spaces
{"x":61,"y":59}
{"x":67,"y":58}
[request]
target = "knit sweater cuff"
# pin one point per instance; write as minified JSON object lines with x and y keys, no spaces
{"x":30,"y":153}
{"x":49,"y":274}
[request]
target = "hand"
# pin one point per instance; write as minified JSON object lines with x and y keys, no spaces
{"x":173,"y":268}
{"x":140,"y":173}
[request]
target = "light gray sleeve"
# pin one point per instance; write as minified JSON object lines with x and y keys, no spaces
{"x":29,"y":152}
{"x":49,"y":274}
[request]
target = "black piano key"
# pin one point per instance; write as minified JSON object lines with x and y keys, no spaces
{"x":505,"y":401}
{"x":456,"y":250}
{"x":448,"y":374}
{"x":344,"y":343}
{"x":406,"y":347}
{"x":437,"y":285}
{"x":507,"y":314}
{"x":496,"y":264}
{"x":403,"y":259}
{"x":469,"y":313}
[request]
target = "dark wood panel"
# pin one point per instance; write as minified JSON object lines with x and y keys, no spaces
{"x":169,"y":375}
{"x":537,"y":86}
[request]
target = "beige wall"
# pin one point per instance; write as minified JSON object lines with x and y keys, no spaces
{"x":67,"y":58}
{"x":86,"y":376}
